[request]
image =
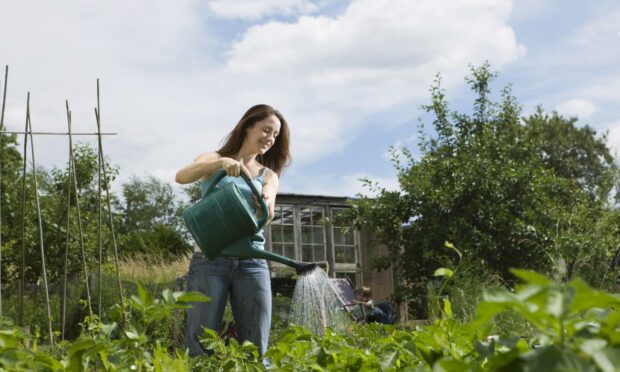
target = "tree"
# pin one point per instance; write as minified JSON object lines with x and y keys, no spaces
{"x":147,"y":219}
{"x":575,"y":153}
{"x":492,"y":184}
{"x":151,"y":219}
{"x":10,"y":170}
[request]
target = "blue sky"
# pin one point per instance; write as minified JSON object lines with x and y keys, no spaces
{"x":349,"y":76}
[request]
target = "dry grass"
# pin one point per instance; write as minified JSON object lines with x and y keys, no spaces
{"x":147,"y":269}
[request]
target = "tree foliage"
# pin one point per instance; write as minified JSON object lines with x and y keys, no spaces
{"x":510,"y":192}
{"x":151,"y":219}
{"x":146,"y":216}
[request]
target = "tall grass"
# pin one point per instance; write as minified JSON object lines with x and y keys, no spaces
{"x":149,"y":269}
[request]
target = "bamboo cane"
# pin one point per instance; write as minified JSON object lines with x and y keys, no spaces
{"x":40,"y":221}
{"x":63,"y":299}
{"x":107,"y":191}
{"x":79,"y":215}
{"x":6,"y":76}
{"x":22,"y":267}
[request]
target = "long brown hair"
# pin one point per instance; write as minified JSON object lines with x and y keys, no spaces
{"x":278,"y":156}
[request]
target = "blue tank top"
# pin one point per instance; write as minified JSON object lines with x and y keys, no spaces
{"x":257,"y":239}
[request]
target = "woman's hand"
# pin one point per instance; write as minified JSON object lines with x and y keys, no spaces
{"x":259,"y":209}
{"x":234,"y":168}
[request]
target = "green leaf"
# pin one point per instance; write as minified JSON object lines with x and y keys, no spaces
{"x":81,"y":344}
{"x":450,"y":365}
{"x":145,"y":295}
{"x":442,"y":271}
{"x":447,"y":307}
{"x":608,"y":359}
{"x":388,"y":359}
{"x":531,"y":277}
{"x":588,"y":298}
{"x":132,"y":335}
{"x":591,"y":347}
{"x":452,"y":247}
{"x":555,"y":358}
{"x":191,"y":297}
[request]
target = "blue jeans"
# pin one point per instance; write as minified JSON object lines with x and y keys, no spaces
{"x":249,"y":285}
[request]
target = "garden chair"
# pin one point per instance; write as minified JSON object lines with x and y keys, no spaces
{"x":348,"y":298}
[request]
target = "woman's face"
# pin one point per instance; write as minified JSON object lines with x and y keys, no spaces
{"x":262,"y":135}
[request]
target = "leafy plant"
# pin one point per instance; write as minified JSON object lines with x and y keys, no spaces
{"x":575,"y":328}
{"x":579,"y":327}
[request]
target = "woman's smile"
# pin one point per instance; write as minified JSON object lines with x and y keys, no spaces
{"x":265,"y":145}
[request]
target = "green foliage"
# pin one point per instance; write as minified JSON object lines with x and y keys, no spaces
{"x":572,"y":152}
{"x":576,"y":328}
{"x":151,"y":220}
{"x":230,"y":356}
{"x":532,"y":193}
{"x":148,"y":202}
{"x":106,"y":346}
{"x":53,"y":189}
{"x":146,"y":218}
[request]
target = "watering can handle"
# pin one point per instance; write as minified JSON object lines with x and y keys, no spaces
{"x":217,"y":177}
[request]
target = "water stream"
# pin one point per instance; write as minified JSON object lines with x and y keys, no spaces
{"x":315,"y":304}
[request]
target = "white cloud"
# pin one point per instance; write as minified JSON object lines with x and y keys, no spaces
{"x":579,"y":107}
{"x":256,"y":9}
{"x":332,"y":184}
{"x":165,"y":175}
{"x":613,"y":138}
{"x":374,"y":56}
{"x":168,"y":97}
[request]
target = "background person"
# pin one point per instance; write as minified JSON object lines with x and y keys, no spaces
{"x":374,"y":313}
{"x":259,"y":147}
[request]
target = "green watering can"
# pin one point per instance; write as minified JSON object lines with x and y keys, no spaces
{"x":224,"y":216}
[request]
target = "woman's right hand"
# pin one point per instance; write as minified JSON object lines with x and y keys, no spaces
{"x":233,"y":167}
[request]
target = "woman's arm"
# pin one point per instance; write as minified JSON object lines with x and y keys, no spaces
{"x":204,"y":165}
{"x":270,"y":190}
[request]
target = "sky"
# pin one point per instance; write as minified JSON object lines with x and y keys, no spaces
{"x":349,"y":76}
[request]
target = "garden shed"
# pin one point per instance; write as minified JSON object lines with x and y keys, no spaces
{"x":303,"y":229}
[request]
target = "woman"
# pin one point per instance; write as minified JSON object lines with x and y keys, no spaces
{"x":259,"y":147}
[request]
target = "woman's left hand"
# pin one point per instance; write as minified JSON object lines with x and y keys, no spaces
{"x":257,"y":204}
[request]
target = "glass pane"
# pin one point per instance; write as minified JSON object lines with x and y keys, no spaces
{"x":306,"y":253}
{"x":339,"y":254}
{"x":349,"y":238}
{"x":287,"y":216}
{"x":349,"y":255}
{"x":288,"y":234}
{"x":319,"y":253}
{"x":338,"y":238}
{"x":276,"y":217}
{"x":289,"y":251}
{"x":276,"y":233}
{"x":306,"y":234}
{"x":317,"y":216}
{"x":318,"y":235}
{"x":276,"y":248}
{"x":305,"y":216}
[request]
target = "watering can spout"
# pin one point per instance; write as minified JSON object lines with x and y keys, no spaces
{"x":303,"y":268}
{"x":247,"y":251}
